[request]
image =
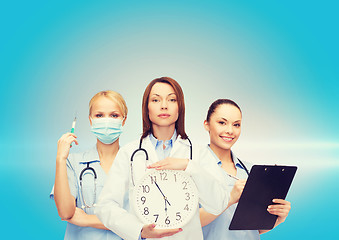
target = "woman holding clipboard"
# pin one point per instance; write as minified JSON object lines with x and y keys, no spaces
{"x":223,"y":122}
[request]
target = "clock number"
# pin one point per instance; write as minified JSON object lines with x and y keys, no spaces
{"x":178,"y":216}
{"x":156,"y":217}
{"x":186,"y":208}
{"x":185,"y":185}
{"x":187,"y":196}
{"x":163,"y":176}
{"x":153,"y":179}
{"x":143,"y":199}
{"x":175,"y":177}
{"x":167,"y":221}
{"x":145,"y":188}
{"x":146,"y":212}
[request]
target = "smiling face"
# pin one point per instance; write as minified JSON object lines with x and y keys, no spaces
{"x":224,"y":126}
{"x":163,"y":106}
{"x":104,"y":107}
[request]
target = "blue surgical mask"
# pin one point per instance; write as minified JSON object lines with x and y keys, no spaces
{"x":107,"y":130}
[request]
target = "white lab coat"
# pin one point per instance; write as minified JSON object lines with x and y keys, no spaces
{"x":122,"y":220}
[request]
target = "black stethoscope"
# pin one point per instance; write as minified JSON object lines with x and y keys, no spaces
{"x":146,"y":155}
{"x":242,"y":164}
{"x":88,"y":168}
{"x":244,"y":167}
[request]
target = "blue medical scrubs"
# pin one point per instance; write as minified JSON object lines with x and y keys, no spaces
{"x":218,"y":229}
{"x":76,"y":162}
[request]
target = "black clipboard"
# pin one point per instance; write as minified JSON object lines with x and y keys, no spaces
{"x":264,"y":183}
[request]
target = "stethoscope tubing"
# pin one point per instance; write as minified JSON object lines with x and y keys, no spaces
{"x":88,"y":168}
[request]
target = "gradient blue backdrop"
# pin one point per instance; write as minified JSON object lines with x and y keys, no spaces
{"x":278,"y":60}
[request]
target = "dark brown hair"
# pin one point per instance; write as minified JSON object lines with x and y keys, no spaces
{"x":217,"y":103}
{"x":180,"y":123}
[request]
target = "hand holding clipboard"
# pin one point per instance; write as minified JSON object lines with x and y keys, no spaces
{"x":264,"y":184}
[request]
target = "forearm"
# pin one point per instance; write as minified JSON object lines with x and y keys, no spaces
{"x":82,"y":219}
{"x":205,"y":217}
{"x":94,"y":222}
{"x":64,"y":200}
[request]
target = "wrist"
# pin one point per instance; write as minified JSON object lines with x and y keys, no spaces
{"x":231,"y":200}
{"x":61,"y":159}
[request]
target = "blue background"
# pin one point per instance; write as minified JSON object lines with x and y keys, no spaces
{"x":277,"y":60}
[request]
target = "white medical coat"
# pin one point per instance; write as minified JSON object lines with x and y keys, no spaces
{"x":213,"y":197}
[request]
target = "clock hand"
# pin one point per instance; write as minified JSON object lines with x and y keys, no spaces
{"x":166,"y":206}
{"x":162,"y":194}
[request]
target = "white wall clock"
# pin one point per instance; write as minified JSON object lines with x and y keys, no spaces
{"x":168,"y":198}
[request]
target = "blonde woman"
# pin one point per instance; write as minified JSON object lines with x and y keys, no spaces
{"x":80,"y":177}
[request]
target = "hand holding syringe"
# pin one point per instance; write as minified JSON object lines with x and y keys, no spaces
{"x":65,"y":142}
{"x":73,"y":126}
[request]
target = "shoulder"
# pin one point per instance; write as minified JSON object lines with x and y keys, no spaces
{"x":74,"y":158}
{"x":130,"y":147}
{"x":77,"y":157}
{"x":201,"y":150}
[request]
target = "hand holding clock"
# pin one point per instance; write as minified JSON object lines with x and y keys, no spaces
{"x":170,"y":163}
{"x":149,"y":231}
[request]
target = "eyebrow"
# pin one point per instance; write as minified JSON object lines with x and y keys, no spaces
{"x":160,"y":96}
{"x":227,"y":120}
{"x":115,"y":111}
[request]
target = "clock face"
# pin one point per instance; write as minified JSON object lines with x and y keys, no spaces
{"x":167,"y":198}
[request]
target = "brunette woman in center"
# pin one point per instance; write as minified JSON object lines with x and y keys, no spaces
{"x":165,"y":140}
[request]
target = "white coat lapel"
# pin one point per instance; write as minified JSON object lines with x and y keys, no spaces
{"x":215,"y":168}
{"x":180,"y":148}
{"x":152,"y":155}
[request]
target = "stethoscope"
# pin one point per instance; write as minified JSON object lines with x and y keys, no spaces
{"x":244,"y":167}
{"x":88,"y":168}
{"x":242,"y":164}
{"x":146,"y":156}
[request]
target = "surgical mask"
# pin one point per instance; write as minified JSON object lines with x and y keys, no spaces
{"x":107,"y":130}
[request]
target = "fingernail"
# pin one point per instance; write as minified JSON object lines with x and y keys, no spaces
{"x":180,"y":229}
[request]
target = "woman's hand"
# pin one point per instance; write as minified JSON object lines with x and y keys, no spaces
{"x":170,"y":164}
{"x":149,"y":231}
{"x":64,"y":145}
{"x":236,"y":191}
{"x":281,"y":209}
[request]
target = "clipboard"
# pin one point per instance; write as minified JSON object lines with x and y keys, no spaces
{"x":265,"y":182}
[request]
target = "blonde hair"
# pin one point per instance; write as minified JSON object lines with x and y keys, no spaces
{"x":112,"y":95}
